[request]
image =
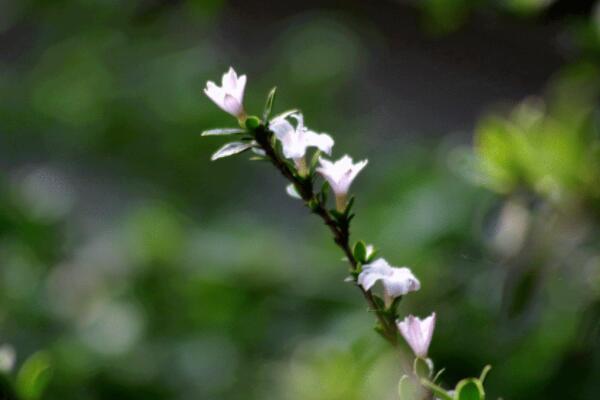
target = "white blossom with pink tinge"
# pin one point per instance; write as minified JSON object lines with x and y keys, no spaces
{"x":339,"y":175}
{"x":417,"y":333}
{"x":230,"y":95}
{"x":396,"y":281}
{"x":296,"y":139}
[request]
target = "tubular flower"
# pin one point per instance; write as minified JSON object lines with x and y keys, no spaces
{"x":417,"y":333}
{"x":295,"y":140}
{"x":396,"y":281}
{"x":230,"y":95}
{"x":340,"y":175}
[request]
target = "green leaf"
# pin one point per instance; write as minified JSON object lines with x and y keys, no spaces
{"x":391,"y":311}
{"x":34,"y":376}
{"x":360,"y":251}
{"x":324,"y":193}
{"x":292,"y":191}
{"x":379,"y":303}
{"x":313,"y":204}
{"x":314,"y":161}
{"x":336,"y":215}
{"x":422,"y":368}
{"x":349,"y":205}
{"x":469,"y":389}
{"x":372,"y":256}
{"x":285,"y":114}
{"x":379,"y":329}
{"x":222,"y":132}
{"x":231,"y":149}
{"x":269,"y":104}
{"x":439,"y":391}
{"x":407,"y":388}
{"x":438,"y":374}
{"x":484,"y":373}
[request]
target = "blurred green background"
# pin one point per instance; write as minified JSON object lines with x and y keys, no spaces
{"x":143,"y":271}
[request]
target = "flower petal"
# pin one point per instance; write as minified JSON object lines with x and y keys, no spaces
{"x":230,"y":95}
{"x":322,"y":141}
{"x":281,"y":128}
{"x":340,"y":173}
{"x":418,"y":333}
{"x":233,"y":106}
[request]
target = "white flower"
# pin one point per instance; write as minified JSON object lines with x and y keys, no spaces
{"x":418,"y":333}
{"x":396,"y":281}
{"x":230,"y":95}
{"x":295,"y":140}
{"x":340,"y":175}
{"x":7,"y":358}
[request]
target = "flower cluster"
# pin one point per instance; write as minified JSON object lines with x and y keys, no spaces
{"x":285,"y":140}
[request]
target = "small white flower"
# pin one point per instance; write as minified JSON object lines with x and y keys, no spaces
{"x":340,"y":175}
{"x":396,"y":281}
{"x":295,"y":140}
{"x":7,"y":358}
{"x":230,"y":95}
{"x":418,"y":333}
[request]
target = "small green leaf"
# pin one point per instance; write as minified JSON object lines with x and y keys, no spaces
{"x":285,"y":114}
{"x":371,"y":253}
{"x":269,"y":103}
{"x":292,"y":191}
{"x":336,"y":215}
{"x":313,"y":204}
{"x":273,"y":140}
{"x":391,"y":311}
{"x":349,"y":205}
{"x":324,"y":193}
{"x":379,"y":303}
{"x":438,"y":390}
{"x":360,"y":251}
{"x":469,"y":389}
{"x":34,"y":376}
{"x":438,"y":374}
{"x":484,"y":373}
{"x":422,"y":368}
{"x":407,"y":388}
{"x":379,"y":329}
{"x":314,"y":161}
{"x":222,"y":132}
{"x":231,"y":149}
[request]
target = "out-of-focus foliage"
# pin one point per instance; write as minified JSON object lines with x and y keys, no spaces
{"x":551,"y":148}
{"x":443,"y":16}
{"x":142,"y":271}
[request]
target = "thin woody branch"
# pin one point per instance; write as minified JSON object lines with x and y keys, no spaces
{"x":341,"y":233}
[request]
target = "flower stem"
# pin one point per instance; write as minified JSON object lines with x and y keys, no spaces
{"x":340,"y":230}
